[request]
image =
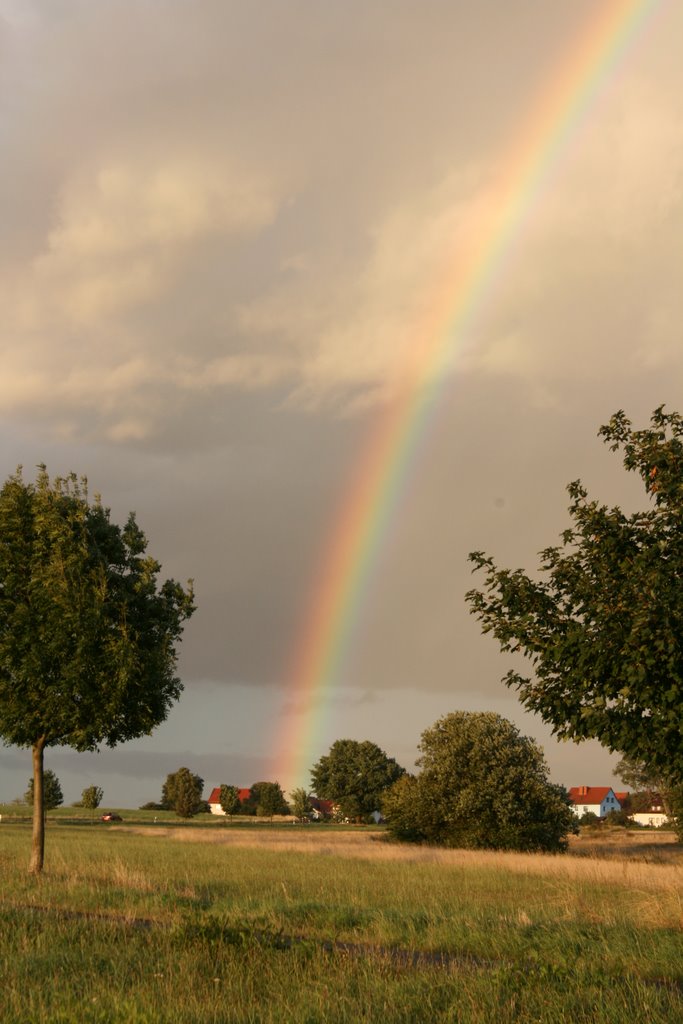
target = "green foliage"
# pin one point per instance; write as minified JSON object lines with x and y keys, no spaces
{"x":617,"y":818}
{"x":590,"y":818}
{"x":300,"y":803}
{"x":268,"y":799}
{"x":230,"y":799}
{"x":482,"y":785}
{"x":355,"y":775}
{"x":603,"y":628}
{"x":182,"y":793}
{"x":87,"y":636}
{"x":649,"y":786}
{"x":91,"y":797}
{"x":52,"y":791}
{"x":404,"y":811}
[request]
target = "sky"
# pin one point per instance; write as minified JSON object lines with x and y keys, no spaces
{"x":224,"y":229}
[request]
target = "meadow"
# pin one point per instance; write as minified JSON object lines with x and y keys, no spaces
{"x":146,"y":922}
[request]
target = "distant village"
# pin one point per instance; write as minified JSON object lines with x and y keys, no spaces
{"x":590,"y":804}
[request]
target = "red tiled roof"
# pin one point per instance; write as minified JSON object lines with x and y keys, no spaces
{"x":215,"y":797}
{"x":621,"y":796}
{"x":589,"y":794}
{"x":324,"y":806}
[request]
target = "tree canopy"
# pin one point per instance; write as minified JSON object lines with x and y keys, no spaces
{"x":52,"y":791}
{"x":87,"y":636}
{"x":481,"y":785}
{"x":355,"y":774}
{"x":267,"y":799}
{"x":230,"y":799}
{"x":300,"y":803}
{"x":603,"y":625}
{"x":182,"y":793}
{"x":91,"y":797}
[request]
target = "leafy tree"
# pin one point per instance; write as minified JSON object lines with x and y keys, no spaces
{"x":646,"y":785}
{"x":230,"y":800}
{"x":649,"y":786}
{"x":91,"y":797}
{"x":182,"y":793}
{"x":603,"y":627}
{"x":52,"y":791}
{"x":355,"y":775}
{"x":403,"y":809}
{"x":87,"y":638}
{"x":300,"y":803}
{"x":482,"y":785}
{"x":268,"y":799}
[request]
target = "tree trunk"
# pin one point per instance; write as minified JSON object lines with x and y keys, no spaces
{"x":38,"y":845}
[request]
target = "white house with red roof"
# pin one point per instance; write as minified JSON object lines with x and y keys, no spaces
{"x":598,"y":800}
{"x":214,"y":800}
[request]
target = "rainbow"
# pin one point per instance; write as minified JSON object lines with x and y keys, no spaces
{"x":371,"y":500}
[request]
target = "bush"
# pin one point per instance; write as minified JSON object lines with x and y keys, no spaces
{"x":482,"y":785}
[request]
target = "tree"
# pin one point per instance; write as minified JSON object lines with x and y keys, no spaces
{"x":182,"y":793}
{"x":603,"y":627}
{"x":91,"y":797}
{"x":300,"y":803}
{"x":87,"y":638}
{"x":268,"y":799}
{"x":482,"y":785}
{"x":647,"y":787}
{"x":230,"y":800}
{"x":52,"y":791}
{"x":355,"y":775}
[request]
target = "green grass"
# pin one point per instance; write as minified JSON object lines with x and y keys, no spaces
{"x":126,"y":927}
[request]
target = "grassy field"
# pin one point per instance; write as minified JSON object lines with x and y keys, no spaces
{"x":146,"y":923}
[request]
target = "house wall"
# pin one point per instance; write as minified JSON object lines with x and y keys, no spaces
{"x":610,"y":803}
{"x":652,"y":818}
{"x":581,"y":809}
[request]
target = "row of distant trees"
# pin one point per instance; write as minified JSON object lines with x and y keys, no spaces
{"x":183,"y":789}
{"x":91,"y":797}
{"x":481,"y":784}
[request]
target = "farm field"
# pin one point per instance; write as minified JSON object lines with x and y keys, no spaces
{"x":162,"y":922}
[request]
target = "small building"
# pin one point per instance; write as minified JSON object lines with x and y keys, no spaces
{"x":321,"y":809}
{"x":653,"y":815}
{"x":597,"y":800}
{"x":214,"y":800}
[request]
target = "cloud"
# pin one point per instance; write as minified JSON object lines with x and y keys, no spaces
{"x":202,"y":228}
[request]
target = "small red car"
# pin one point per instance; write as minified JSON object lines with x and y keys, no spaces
{"x":111,"y":817}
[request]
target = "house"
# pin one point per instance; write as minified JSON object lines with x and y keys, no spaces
{"x":653,"y":815}
{"x":321,"y":809}
{"x":214,"y":800}
{"x":598,"y":800}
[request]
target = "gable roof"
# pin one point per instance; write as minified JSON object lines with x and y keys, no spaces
{"x":589,"y":794}
{"x":324,"y":806}
{"x":215,"y":796}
